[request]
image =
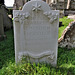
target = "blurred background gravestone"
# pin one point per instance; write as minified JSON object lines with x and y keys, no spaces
{"x":19,"y":4}
{"x":1,"y":22}
{"x":2,"y":36}
{"x":68,"y":36}
{"x":7,"y":22}
{"x":1,"y":27}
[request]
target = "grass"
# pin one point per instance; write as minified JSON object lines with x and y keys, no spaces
{"x":65,"y":62}
{"x":65,"y":21}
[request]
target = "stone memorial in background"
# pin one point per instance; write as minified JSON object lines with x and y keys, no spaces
{"x":7,"y":22}
{"x":18,"y":4}
{"x":36,"y":32}
{"x":68,"y":36}
{"x":1,"y":25}
{"x":2,"y":36}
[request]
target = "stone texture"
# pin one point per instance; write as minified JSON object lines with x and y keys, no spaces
{"x":1,"y":25}
{"x":2,"y":36}
{"x":36,"y":32}
{"x":18,"y":4}
{"x":60,"y":0}
{"x":71,"y":16}
{"x":7,"y":22}
{"x":68,"y":37}
{"x":55,"y":4}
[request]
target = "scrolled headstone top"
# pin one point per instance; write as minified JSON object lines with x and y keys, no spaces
{"x":36,"y":32}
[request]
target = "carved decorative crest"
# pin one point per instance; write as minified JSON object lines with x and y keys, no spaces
{"x":36,"y":7}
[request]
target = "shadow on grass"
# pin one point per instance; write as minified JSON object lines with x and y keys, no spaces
{"x":7,"y":49}
{"x":66,"y":60}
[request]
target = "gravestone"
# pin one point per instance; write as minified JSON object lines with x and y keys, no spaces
{"x":18,"y":4}
{"x":1,"y":25}
{"x":2,"y":36}
{"x":7,"y":22}
{"x":68,"y":36}
{"x":36,"y":32}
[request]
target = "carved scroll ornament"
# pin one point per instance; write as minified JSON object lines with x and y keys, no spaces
{"x":52,"y":16}
{"x":21,"y":16}
{"x":49,"y":55}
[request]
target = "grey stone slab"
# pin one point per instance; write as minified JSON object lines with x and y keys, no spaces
{"x":7,"y":22}
{"x":1,"y":25}
{"x":36,"y":32}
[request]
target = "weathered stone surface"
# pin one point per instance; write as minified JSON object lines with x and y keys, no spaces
{"x":1,"y":25}
{"x":68,"y":37}
{"x":18,"y":4}
{"x":71,"y":16}
{"x":36,"y":32}
{"x":60,"y":0}
{"x":56,"y":4}
{"x":2,"y":36}
{"x":7,"y":22}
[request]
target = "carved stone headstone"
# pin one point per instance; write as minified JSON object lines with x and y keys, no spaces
{"x":36,"y":32}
